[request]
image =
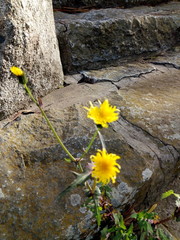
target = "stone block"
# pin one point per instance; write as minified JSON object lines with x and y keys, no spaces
{"x":28,"y":41}
{"x":104,"y":3}
{"x":93,"y":39}
{"x":146,"y":136}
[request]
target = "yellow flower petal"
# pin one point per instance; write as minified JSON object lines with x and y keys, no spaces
{"x":105,"y":167}
{"x":17,"y":71}
{"x":103,"y":114}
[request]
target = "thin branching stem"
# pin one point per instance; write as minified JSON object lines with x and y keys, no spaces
{"x":48,"y":122}
{"x":102,"y":140}
{"x":94,"y":186}
{"x":90,"y":144}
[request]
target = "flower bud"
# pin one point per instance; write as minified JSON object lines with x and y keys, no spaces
{"x":20,"y":74}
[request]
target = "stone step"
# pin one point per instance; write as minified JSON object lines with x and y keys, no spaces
{"x":103,"y":3}
{"x":97,"y":38}
{"x":128,"y":73}
{"x":146,"y":136}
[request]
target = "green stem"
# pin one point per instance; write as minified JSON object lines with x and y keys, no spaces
{"x":88,"y":186}
{"x":94,"y":186}
{"x":90,"y":144}
{"x":80,"y":166}
{"x":49,"y":123}
{"x":102,"y":140}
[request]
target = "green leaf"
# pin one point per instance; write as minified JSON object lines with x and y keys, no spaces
{"x":149,"y":228}
{"x":141,"y":215}
{"x":104,"y":232}
{"x":106,"y":190}
{"x":68,"y":160}
{"x":134,"y":215}
{"x":130,"y":230}
{"x":122,"y":225}
{"x":118,"y":236}
{"x":167,"y":194}
{"x":161,"y":235}
{"x":177,"y":195}
{"x":81,"y":178}
{"x":177,"y":202}
{"x":97,"y":211}
{"x":143,"y":236}
{"x":116,"y":219}
{"x":97,"y":192}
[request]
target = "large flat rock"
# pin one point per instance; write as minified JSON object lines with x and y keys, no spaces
{"x":146,"y":136}
{"x":149,"y":91}
{"x":98,"y":37}
{"x":153,"y":103}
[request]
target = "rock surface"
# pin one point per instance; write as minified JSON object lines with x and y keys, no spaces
{"x":27,"y":40}
{"x":147,"y":136}
{"x":93,"y":39}
{"x":104,"y":3}
{"x":141,"y":83}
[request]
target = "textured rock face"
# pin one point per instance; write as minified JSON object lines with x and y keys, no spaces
{"x":140,"y":82}
{"x":146,"y":136}
{"x":93,"y":39}
{"x":104,"y":3}
{"x":27,"y":40}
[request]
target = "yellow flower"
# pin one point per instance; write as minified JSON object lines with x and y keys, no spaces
{"x":20,"y":74}
{"x":105,"y":166}
{"x":103,"y":114}
{"x":17,"y":71}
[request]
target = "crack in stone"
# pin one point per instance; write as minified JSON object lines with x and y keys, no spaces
{"x":169,"y":149}
{"x":154,"y":137}
{"x":93,"y":80}
{"x":148,"y":146}
{"x":165,"y":144}
{"x":166,"y":64}
{"x":64,"y":25}
{"x":136,"y":75}
{"x":113,"y":83}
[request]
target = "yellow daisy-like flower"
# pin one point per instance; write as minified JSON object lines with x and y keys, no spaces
{"x":20,"y":74}
{"x":17,"y":71}
{"x":105,"y":167}
{"x":103,"y":114}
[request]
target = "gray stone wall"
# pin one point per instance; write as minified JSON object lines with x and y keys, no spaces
{"x":104,"y":3}
{"x":28,"y":41}
{"x":95,"y":38}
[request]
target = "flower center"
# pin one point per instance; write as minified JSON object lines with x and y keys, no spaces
{"x":104,"y":166}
